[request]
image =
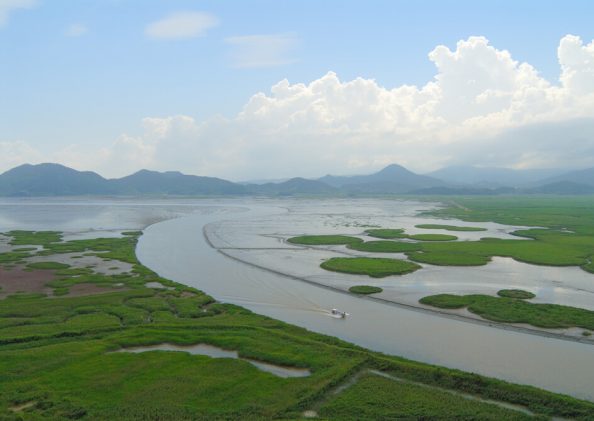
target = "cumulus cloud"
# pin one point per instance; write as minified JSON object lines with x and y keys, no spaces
{"x":76,"y":30}
{"x":482,"y":107}
{"x":8,"y":6}
{"x":181,"y":25}
{"x":262,"y":50}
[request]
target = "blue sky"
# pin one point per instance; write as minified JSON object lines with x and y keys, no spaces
{"x":82,"y":73}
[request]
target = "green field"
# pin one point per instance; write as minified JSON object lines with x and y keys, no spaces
{"x":513,"y":310}
{"x":449,"y":227}
{"x":365,"y":289}
{"x":374,"y":267}
{"x":379,"y":398}
{"x":57,"y":362}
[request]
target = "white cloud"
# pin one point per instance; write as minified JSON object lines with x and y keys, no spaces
{"x":482,"y":107}
{"x":262,"y":50}
{"x":181,"y":25}
{"x":76,"y":30}
{"x":8,"y":6}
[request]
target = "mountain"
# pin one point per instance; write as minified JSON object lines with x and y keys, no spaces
{"x":51,"y":180}
{"x":393,"y":179}
{"x":293,"y":186}
{"x":492,"y":177}
{"x":579,"y":177}
{"x":174,"y":183}
{"x":58,"y":180}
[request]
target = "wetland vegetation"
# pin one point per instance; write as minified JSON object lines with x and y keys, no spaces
{"x":515,"y":310}
{"x":375,"y":267}
{"x":449,"y":227}
{"x":57,"y":362}
{"x":365,"y":289}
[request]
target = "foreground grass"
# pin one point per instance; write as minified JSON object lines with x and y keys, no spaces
{"x":374,"y":267}
{"x":378,"y":398}
{"x":55,"y":357}
{"x":512,"y":310}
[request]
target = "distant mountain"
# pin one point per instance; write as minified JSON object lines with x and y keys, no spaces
{"x":393,"y":179}
{"x":299,"y":186}
{"x":51,"y":180}
{"x":492,"y":177}
{"x":173,"y":183}
{"x":58,"y":180}
{"x":580,"y":177}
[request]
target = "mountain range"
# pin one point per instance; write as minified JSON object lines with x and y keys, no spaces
{"x":58,"y":180}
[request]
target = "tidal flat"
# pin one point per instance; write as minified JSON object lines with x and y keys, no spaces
{"x":176,"y":249}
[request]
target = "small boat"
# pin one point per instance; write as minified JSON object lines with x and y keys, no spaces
{"x":338,"y":313}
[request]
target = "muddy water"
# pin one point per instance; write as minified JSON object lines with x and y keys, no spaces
{"x":176,"y":249}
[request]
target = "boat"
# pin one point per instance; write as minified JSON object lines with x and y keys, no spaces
{"x":338,"y":313}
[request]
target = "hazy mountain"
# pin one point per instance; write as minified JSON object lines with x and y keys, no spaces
{"x":484,"y":176}
{"x":293,"y":186}
{"x":392,"y":179}
{"x":580,"y":177}
{"x":58,"y":180}
{"x":174,"y":183}
{"x":51,"y":180}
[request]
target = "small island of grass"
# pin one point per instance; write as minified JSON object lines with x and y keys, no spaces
{"x":448,"y":258}
{"x":432,"y":237}
{"x":449,"y":227}
{"x":386,"y":233}
{"x":324,"y":240}
{"x":47,"y":265}
{"x":365,"y":289}
{"x":374,"y":267}
{"x":516,"y":293}
{"x":385,"y":246}
{"x":512,"y":310}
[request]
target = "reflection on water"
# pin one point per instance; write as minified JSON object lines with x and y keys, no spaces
{"x":216,"y":352}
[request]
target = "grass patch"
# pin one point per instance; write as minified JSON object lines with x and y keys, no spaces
{"x":377,"y":398}
{"x":449,"y":259}
{"x":47,"y":265}
{"x":386,"y":233}
{"x":365,"y":289}
{"x":516,"y":293}
{"x":512,"y":310}
{"x":385,"y":246}
{"x":374,"y":267}
{"x":432,"y":237}
{"x":327,"y":240}
{"x":449,"y":227}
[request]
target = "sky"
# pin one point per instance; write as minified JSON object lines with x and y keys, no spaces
{"x":266,"y":89}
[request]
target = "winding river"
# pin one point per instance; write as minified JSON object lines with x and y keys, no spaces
{"x":178,"y":250}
